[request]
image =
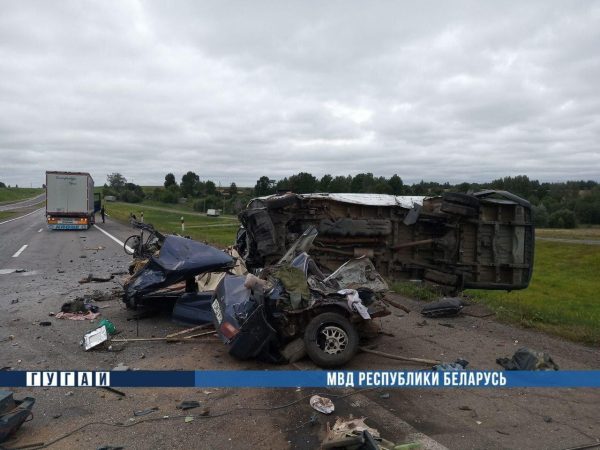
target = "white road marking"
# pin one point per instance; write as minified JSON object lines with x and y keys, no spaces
{"x":40,"y":230}
{"x":20,"y":217}
{"x":121,"y":243}
{"x":16,"y":255}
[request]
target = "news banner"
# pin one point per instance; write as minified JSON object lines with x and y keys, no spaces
{"x":306,"y":378}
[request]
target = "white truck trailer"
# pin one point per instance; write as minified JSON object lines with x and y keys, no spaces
{"x":70,"y":200}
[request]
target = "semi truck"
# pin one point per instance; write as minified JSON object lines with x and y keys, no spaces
{"x":70,"y":200}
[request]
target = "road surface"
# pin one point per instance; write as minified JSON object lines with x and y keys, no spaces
{"x":54,"y":262}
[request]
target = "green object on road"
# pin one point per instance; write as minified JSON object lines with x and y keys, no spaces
{"x":110,"y":327}
{"x":409,"y":446}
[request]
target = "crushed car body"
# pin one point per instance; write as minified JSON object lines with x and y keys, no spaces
{"x":293,"y":300}
{"x":178,"y":261}
{"x":483,"y":240}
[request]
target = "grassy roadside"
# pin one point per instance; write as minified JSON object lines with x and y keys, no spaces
{"x":218,"y":231}
{"x":9,"y":195}
{"x":575,"y":233}
{"x":19,"y":212}
{"x":562,"y":298}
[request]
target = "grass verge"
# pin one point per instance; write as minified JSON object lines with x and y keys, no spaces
{"x":8,"y":195}
{"x":562,"y":298}
{"x":575,"y":233}
{"x":218,"y":231}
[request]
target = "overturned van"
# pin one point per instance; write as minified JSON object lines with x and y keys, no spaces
{"x":483,"y":240}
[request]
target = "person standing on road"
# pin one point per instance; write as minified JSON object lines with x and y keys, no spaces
{"x":102,"y":213}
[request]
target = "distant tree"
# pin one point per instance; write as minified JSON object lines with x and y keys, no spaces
{"x":302,"y":183}
{"x":210,"y":188}
{"x":189,"y":184}
{"x":2,"y":185}
{"x":396,"y":184}
{"x":116,"y":181}
{"x":562,"y":218}
{"x":363,"y":183}
{"x":170,"y":180}
{"x":233,"y":190}
{"x":324,"y":183}
{"x":540,"y":216}
{"x":340,"y":184}
{"x":264,"y":186}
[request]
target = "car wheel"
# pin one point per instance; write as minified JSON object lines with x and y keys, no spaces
{"x":330,"y":340}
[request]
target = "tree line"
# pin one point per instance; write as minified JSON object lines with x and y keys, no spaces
{"x":556,"y":204}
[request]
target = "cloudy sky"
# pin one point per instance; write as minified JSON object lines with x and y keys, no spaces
{"x":445,"y":91}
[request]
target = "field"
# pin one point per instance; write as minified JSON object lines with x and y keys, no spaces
{"x":218,"y":231}
{"x":8,"y":195}
{"x":575,"y":233}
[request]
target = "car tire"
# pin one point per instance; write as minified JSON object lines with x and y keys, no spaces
{"x":330,"y":340}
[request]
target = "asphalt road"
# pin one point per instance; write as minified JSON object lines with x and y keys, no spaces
{"x":23,"y":203}
{"x":54,"y":262}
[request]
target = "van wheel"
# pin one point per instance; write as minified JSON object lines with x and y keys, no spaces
{"x":330,"y":340}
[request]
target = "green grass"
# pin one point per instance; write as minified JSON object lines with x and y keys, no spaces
{"x":563,"y":297}
{"x":419,"y":291}
{"x":198,"y":227}
{"x":589,"y":232}
{"x":16,"y":194}
{"x":8,"y":214}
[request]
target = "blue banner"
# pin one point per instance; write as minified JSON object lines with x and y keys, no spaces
{"x":309,"y":378}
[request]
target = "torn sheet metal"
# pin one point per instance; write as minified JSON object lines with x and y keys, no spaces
{"x":95,"y":338}
{"x":13,"y":413}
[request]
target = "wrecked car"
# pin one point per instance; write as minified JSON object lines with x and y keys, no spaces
{"x":171,"y":273}
{"x":293,"y":302}
{"x":483,"y":240}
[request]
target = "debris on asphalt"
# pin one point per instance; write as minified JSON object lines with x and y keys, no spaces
{"x":459,"y":364}
{"x":95,"y":338}
{"x":385,"y":395}
{"x":14,"y":301}
{"x":398,"y":357}
{"x":395,"y":304}
{"x":110,"y":327}
{"x":189,"y":419}
{"x":114,"y":391}
{"x":20,"y":270}
{"x":322,"y":404}
{"x":94,"y":279}
{"x":447,"y":325}
{"x":13,"y":413}
{"x":447,"y":306}
{"x":348,"y":434}
{"x":422,"y":324}
{"x":94,"y":248}
{"x":45,"y":324}
{"x":547,"y":419}
{"x":77,"y":316}
{"x":121,"y":368}
{"x":528,"y":359}
{"x":145,"y":412}
{"x":188,"y":404}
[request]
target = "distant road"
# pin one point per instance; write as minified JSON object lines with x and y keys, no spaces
{"x":23,"y":203}
{"x":570,"y":241}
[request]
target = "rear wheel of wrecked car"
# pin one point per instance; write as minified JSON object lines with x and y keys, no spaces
{"x":462,"y":199}
{"x":131,"y":244}
{"x":331,"y":340}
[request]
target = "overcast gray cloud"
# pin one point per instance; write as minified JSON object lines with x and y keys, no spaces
{"x":442,"y":91}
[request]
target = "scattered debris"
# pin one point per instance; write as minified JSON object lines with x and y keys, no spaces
{"x":547,"y":419}
{"x":422,"y":324}
{"x":400,"y":358}
{"x":13,"y":413}
{"x":322,"y":404}
{"x":385,"y":395}
{"x":465,"y":408}
{"x":95,"y":338}
{"x":45,"y":324}
{"x":145,"y":412}
{"x":189,"y":419}
{"x":16,"y":300}
{"x":447,"y":325}
{"x":188,"y":404}
{"x":459,"y":364}
{"x":349,"y":433}
{"x":447,"y":306}
{"x":110,"y":327}
{"x":93,"y":279}
{"x":396,"y":305}
{"x":77,"y":316}
{"x":94,"y":248}
{"x":528,"y":359}
{"x":69,"y":394}
{"x":120,"y":368}
{"x":20,"y":270}
{"x":114,"y":391}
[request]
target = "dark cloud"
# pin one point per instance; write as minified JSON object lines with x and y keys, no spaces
{"x":234,"y":90}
